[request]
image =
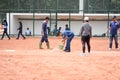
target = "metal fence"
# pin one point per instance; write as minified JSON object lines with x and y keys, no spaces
{"x":60,"y":6}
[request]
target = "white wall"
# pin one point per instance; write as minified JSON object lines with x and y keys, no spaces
{"x":76,"y":26}
{"x":12,"y":24}
{"x":27,"y":24}
{"x":98,"y":27}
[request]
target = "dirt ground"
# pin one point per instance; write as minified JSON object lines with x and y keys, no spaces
{"x":23,"y":60}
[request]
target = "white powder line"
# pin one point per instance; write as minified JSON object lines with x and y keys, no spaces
{"x":105,"y":52}
{"x":9,"y":50}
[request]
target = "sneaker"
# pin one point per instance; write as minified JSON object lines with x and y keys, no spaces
{"x":67,"y":51}
{"x":89,"y":53}
{"x":64,"y":50}
{"x":17,"y":38}
{"x":110,"y":48}
{"x":83,"y":54}
{"x":117,"y":48}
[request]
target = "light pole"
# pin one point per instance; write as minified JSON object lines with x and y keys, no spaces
{"x":56,"y":12}
{"x":81,"y":6}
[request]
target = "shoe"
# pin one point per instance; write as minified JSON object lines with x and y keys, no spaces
{"x":67,"y":50}
{"x":24,"y":38}
{"x":41,"y":48}
{"x":64,"y":50}
{"x":117,"y":48}
{"x":83,"y":54}
{"x":89,"y":53}
{"x":110,"y":48}
{"x":50,"y":48}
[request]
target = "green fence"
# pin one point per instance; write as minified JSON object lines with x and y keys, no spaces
{"x":60,"y":6}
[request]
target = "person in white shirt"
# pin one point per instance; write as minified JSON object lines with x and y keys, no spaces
{"x":28,"y":32}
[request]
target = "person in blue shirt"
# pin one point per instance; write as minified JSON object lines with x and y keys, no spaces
{"x":20,"y":30}
{"x":44,"y":33}
{"x":114,"y":26}
{"x":5,"y":25}
{"x":67,"y":35}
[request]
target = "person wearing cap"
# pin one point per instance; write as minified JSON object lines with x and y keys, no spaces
{"x":113,"y":30}
{"x":86,"y":34}
{"x":67,"y":35}
{"x":44,"y":34}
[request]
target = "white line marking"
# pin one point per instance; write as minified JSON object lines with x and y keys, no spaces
{"x":105,"y":52}
{"x":9,"y":50}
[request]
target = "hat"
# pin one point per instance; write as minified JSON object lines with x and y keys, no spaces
{"x":86,"y":18}
{"x":114,"y":16}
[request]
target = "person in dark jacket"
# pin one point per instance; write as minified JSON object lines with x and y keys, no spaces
{"x":44,"y":34}
{"x":5,"y":25}
{"x":20,"y":31}
{"x":66,"y":27}
{"x":58,"y":31}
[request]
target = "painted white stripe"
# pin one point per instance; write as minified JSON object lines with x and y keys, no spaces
{"x":9,"y":50}
{"x":105,"y":51}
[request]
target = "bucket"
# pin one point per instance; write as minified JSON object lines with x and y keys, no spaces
{"x":60,"y":46}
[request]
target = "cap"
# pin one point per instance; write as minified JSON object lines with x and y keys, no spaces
{"x":114,"y":16}
{"x":86,"y":18}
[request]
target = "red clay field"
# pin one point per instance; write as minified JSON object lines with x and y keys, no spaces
{"x":23,"y":60}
